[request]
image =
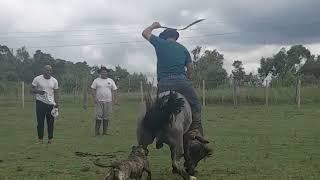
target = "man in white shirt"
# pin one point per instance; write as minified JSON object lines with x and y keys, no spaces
{"x":103,"y":92}
{"x":45,"y":88}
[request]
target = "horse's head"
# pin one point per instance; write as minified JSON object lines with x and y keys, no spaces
{"x":143,"y":136}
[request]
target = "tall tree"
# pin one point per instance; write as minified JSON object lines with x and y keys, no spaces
{"x":295,"y":55}
{"x":285,"y":66}
{"x":252,"y":79}
{"x":279,"y":62}
{"x":209,"y":66}
{"x":238,"y":71}
{"x":266,"y":67}
{"x":10,"y":67}
{"x":196,"y":53}
{"x":22,"y":54}
{"x":311,"y":68}
{"x":120,"y":73}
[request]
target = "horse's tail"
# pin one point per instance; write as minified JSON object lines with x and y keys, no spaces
{"x":160,"y":113}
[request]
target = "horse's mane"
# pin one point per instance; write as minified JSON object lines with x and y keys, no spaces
{"x":160,"y":112}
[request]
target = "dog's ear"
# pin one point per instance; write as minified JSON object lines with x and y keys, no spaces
{"x":146,"y":152}
{"x":134,"y":147}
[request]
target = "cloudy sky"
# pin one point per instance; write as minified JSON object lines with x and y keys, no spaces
{"x":108,"y":32}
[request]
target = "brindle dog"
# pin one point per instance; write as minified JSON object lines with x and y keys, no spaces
{"x":133,"y":167}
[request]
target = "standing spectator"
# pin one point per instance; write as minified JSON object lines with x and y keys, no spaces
{"x":45,"y":88}
{"x":103,"y":92}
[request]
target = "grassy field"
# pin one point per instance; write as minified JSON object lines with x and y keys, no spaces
{"x":250,"y":142}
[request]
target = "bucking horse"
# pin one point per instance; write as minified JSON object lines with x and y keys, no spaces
{"x":166,"y":119}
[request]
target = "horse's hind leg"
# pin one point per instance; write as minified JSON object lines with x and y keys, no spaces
{"x":176,"y":148}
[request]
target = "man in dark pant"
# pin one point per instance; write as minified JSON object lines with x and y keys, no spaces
{"x":44,"y":112}
{"x":45,"y":88}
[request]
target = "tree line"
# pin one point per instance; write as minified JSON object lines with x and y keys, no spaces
{"x":20,"y":66}
{"x":284,"y":68}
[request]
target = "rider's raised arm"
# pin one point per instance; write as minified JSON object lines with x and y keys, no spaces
{"x":148,"y":31}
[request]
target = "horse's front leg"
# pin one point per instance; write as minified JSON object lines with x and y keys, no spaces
{"x":176,"y":148}
{"x":188,"y":163}
{"x":144,"y":137}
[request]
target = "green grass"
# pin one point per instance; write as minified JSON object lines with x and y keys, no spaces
{"x":250,"y":142}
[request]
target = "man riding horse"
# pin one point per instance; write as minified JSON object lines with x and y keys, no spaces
{"x":174,"y":70}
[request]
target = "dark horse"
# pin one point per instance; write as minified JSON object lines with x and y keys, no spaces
{"x":167,"y":118}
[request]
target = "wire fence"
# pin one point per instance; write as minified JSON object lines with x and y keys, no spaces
{"x":268,"y":94}
{"x":209,"y":94}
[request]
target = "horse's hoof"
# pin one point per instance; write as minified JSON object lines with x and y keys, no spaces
{"x":174,"y":171}
{"x":159,"y":145}
{"x":190,"y":168}
{"x":193,"y":178}
{"x":191,"y":172}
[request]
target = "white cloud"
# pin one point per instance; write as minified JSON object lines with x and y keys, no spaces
{"x":34,"y":15}
{"x":138,"y":61}
{"x":250,"y":58}
{"x":314,"y":48}
{"x":184,"y":12}
{"x":120,"y":21}
{"x":93,"y":52}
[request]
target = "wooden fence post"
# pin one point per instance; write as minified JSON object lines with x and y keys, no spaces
{"x":129,"y":85}
{"x":299,"y":93}
{"x":203,"y":93}
{"x":267,"y":93}
{"x":22,"y":94}
{"x":85,"y":94}
{"x":141,"y":91}
{"x":234,"y":93}
{"x":238,"y":92}
{"x":223,"y":88}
